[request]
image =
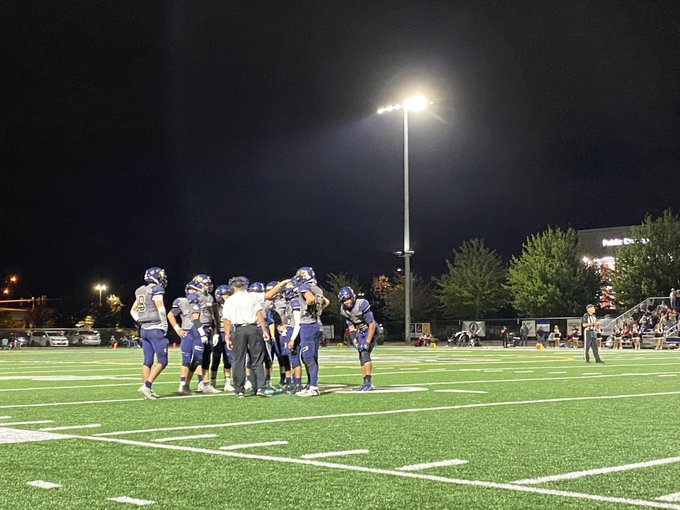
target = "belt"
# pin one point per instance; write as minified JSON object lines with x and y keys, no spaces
{"x":243,"y":325}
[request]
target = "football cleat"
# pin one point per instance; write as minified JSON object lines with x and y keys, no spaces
{"x":228,"y":386}
{"x":313,"y":391}
{"x":183,"y":390}
{"x":248,"y":385}
{"x":148,"y":394}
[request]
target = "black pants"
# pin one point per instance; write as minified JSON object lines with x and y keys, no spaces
{"x":248,"y":339}
{"x":590,"y":342}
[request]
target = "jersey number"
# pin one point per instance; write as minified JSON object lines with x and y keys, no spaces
{"x":141,"y":304}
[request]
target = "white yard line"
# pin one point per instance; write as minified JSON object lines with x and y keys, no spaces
{"x":429,"y":465}
{"x":460,"y":391}
{"x":391,"y":411}
{"x":402,"y":474}
{"x":529,"y":379}
{"x":182,"y":438}
{"x":110,"y":401}
{"x":549,"y":373}
{"x":38,"y":422}
{"x":132,"y":501}
{"x":40,"y":484}
{"x":5,"y":417}
{"x":599,"y":471}
{"x":670,"y":497}
{"x":251,"y":445}
{"x":72,"y":427}
{"x":668,"y":375}
{"x":323,"y":455}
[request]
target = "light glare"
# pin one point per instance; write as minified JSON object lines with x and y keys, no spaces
{"x":416,"y":103}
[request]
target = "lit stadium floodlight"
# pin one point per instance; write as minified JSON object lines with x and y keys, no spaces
{"x":411,"y":104}
{"x":100,"y":287}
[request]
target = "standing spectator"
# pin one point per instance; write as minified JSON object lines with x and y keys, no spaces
{"x":523,"y":334}
{"x":673,"y":298}
{"x":505,"y":336}
{"x":590,"y":325}
{"x":658,"y":335}
{"x":573,"y":337}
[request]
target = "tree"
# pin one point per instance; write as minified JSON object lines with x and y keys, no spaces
{"x":337,"y":281}
{"x":548,"y":279}
{"x":380,"y":286}
{"x":473,"y":285}
{"x":650,"y":266}
{"x":422,"y":300}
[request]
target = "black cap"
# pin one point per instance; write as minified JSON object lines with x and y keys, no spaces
{"x":590,"y":306}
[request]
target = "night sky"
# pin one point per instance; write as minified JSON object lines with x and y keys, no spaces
{"x":241,"y":137}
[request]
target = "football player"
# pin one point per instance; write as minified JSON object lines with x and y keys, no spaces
{"x":191,"y":333}
{"x":312,"y":303}
{"x":362,"y":331}
{"x":149,"y":311}
{"x":221,"y":351}
{"x":209,"y":323}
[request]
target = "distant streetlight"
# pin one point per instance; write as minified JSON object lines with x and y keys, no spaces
{"x":100,"y":287}
{"x":11,"y":279}
{"x":414,"y":104}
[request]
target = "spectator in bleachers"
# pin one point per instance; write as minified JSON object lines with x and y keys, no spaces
{"x":672,"y":298}
{"x":572,"y":339}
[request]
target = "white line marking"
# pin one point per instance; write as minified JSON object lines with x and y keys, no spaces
{"x":598,"y":471}
{"x":524,"y":371}
{"x":43,"y":485}
{"x":392,"y":389}
{"x":132,"y":501}
{"x":670,"y":497}
{"x":71,"y":427}
{"x":37,"y":422}
{"x":9,"y":435}
{"x":591,"y":373}
{"x":332,"y":454}
{"x":529,"y":379}
{"x":403,"y":474}
{"x":111,"y":401}
{"x":667,"y":375}
{"x":5,"y":417}
{"x":251,"y":445}
{"x":182,"y":438}
{"x":391,"y":411}
{"x":459,"y":391}
{"x":441,"y":463}
{"x":557,"y":372}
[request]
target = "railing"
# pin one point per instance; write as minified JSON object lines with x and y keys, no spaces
{"x":607,"y":326}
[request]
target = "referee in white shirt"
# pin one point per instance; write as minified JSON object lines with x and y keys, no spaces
{"x":244,"y":313}
{"x":590,"y":326}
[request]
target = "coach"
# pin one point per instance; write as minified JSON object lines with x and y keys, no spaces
{"x":244,"y":312}
{"x":590,"y":326}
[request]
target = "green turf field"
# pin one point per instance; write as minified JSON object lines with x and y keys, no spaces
{"x":449,"y":428}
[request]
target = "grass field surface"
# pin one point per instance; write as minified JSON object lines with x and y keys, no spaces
{"x":447,"y":428}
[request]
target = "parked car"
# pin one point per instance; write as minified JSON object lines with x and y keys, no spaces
{"x":83,"y":337}
{"x":48,"y":339}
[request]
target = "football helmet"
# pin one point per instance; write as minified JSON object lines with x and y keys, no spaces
{"x":256,"y":287}
{"x":305,"y":274}
{"x":156,"y":275}
{"x":345,"y":294}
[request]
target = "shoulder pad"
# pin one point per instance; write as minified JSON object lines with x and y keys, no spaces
{"x":363,"y":305}
{"x":304,"y":287}
{"x":175,"y":303}
{"x":193,"y":298}
{"x":295,"y":304}
{"x":157,"y":289}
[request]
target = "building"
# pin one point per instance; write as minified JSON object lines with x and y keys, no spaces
{"x":598,"y":246}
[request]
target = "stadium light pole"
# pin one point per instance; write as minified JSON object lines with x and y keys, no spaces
{"x":414,"y":104}
{"x":100,"y":287}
